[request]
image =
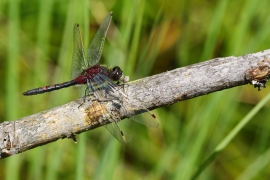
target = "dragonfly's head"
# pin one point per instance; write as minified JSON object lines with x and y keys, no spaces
{"x":116,"y":74}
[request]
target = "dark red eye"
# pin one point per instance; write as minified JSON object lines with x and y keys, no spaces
{"x":116,"y":73}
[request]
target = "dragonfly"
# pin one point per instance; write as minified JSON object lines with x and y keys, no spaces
{"x":91,"y":78}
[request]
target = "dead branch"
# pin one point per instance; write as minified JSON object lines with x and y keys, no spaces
{"x":152,"y":92}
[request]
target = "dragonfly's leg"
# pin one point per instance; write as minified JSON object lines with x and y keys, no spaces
{"x":122,"y":86}
{"x":84,"y":98}
{"x":123,"y":81}
{"x":91,"y":94}
{"x":88,"y":87}
{"x":80,"y":104}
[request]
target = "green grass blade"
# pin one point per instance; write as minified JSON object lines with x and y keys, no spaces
{"x":61,"y":74}
{"x":241,"y":28}
{"x":36,"y":159}
{"x":232,"y":134}
{"x":145,"y":63}
{"x":135,"y":40}
{"x":254,"y":168}
{"x":81,"y":146}
{"x":108,"y":161}
{"x":13,"y":164}
{"x":214,"y":29}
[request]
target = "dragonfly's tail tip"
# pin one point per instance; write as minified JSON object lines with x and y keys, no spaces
{"x":111,"y":13}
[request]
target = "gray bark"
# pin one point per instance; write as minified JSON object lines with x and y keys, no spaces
{"x":150,"y":92}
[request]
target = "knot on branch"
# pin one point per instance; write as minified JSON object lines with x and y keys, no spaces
{"x":258,"y":76}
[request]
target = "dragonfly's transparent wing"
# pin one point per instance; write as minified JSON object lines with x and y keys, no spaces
{"x":99,"y":85}
{"x":104,"y":88}
{"x":114,"y":92}
{"x":146,"y":119}
{"x":81,"y":90}
{"x":114,"y":129}
{"x":79,"y":62}
{"x":96,"y":46}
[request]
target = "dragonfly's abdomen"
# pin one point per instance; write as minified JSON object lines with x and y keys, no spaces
{"x":44,"y":89}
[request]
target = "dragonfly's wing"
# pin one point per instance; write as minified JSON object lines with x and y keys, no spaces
{"x":114,"y":129}
{"x":79,"y":62}
{"x":81,"y":90}
{"x":100,"y":85}
{"x":146,"y":119}
{"x":104,"y":88}
{"x":114,"y":92}
{"x":95,"y":49}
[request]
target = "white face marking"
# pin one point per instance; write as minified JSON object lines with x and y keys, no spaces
{"x":124,"y":79}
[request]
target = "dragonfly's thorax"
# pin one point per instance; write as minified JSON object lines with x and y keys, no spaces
{"x":115,"y":73}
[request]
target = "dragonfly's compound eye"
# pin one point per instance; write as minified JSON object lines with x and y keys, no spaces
{"x":116,"y":73}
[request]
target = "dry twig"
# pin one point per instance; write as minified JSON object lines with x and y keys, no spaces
{"x":152,"y":92}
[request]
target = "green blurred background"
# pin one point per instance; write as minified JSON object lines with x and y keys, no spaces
{"x":145,"y":38}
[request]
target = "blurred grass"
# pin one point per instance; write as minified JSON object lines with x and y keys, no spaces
{"x":145,"y":37}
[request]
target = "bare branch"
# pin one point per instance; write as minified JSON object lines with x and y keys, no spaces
{"x":152,"y":92}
